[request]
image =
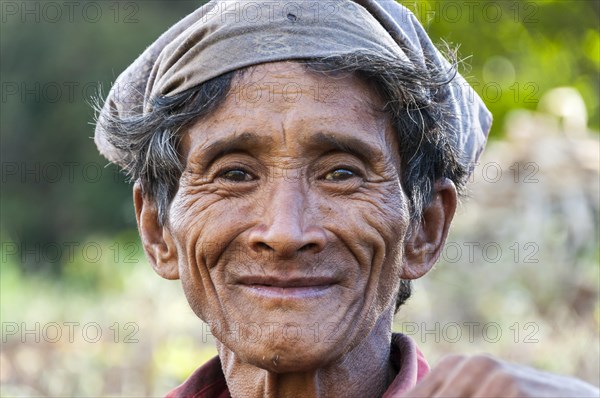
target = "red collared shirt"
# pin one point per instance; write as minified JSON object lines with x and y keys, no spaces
{"x":208,"y":381}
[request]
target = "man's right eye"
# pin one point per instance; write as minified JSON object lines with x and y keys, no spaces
{"x":236,"y":175}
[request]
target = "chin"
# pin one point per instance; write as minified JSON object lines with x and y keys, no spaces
{"x":285,"y":356}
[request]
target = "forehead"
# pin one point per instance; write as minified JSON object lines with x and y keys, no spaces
{"x":284,"y":104}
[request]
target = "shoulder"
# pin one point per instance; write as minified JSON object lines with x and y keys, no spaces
{"x":207,"y":381}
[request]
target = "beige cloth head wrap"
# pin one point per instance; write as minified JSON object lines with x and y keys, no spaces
{"x":226,"y":35}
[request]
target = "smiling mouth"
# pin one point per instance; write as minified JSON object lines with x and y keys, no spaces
{"x":278,"y":288}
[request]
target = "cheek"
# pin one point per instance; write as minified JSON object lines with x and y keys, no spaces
{"x":206,"y":219}
{"x":376,"y":217}
{"x":372,"y":224}
{"x":203,"y":224}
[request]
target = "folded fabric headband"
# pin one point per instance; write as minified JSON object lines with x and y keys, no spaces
{"x":223,"y":36}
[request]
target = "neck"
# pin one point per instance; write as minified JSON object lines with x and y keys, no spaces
{"x":366,"y":371}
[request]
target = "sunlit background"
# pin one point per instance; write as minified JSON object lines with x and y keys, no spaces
{"x":82,"y":312}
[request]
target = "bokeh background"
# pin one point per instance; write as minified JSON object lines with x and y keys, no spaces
{"x":83,"y":314}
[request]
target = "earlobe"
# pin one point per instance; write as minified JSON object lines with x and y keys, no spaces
{"x":424,"y":244}
{"x":158,"y":242}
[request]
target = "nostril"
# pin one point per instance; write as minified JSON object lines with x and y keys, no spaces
{"x":263,"y":246}
{"x":308,"y":247}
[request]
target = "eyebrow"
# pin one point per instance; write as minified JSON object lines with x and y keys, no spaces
{"x":243,"y":142}
{"x":363,"y":150}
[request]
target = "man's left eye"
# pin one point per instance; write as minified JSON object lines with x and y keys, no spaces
{"x":339,"y":175}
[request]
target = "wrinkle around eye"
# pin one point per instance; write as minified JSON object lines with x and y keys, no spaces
{"x":190,"y":178}
{"x":192,"y":201}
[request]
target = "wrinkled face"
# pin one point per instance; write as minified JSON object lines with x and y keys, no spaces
{"x":289,"y":217}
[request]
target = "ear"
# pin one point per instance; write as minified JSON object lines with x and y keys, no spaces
{"x":425,"y":241}
{"x":157,"y":240}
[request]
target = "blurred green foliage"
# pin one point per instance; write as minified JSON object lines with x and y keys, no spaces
{"x":55,"y":186}
{"x":518,"y":50}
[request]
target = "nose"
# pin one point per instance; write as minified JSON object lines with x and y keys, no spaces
{"x":286,"y":229}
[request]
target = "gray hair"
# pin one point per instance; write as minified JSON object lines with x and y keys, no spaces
{"x":415,"y":99}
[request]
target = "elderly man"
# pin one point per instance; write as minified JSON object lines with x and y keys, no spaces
{"x":296,"y":165}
